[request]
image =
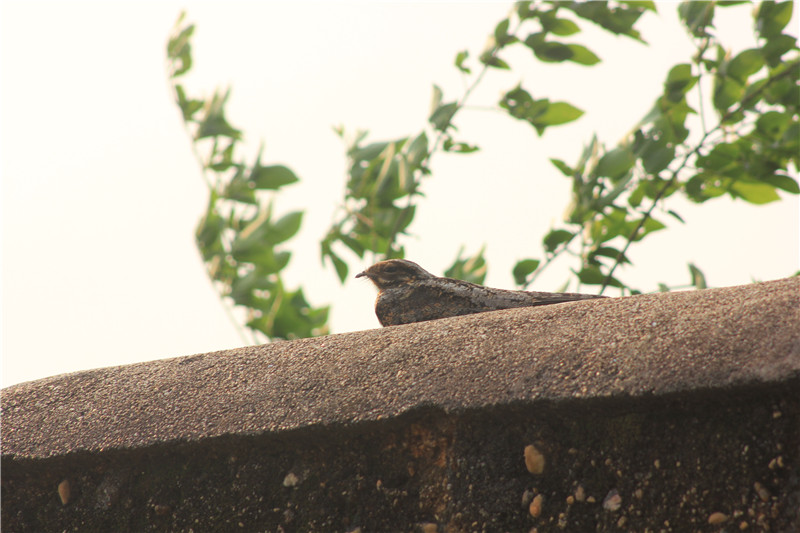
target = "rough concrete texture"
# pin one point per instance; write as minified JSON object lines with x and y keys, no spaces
{"x":667,"y":412}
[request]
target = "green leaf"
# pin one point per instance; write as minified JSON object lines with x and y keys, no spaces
{"x":523,"y":269}
{"x":611,"y":253}
{"x":563,"y":167}
{"x":591,"y":275}
{"x":676,"y":216}
{"x":460,"y":58}
{"x":285,"y":228}
{"x":650,"y":225}
{"x":271,"y":177}
{"x":491,"y":60}
{"x":339,"y":265}
{"x":188,"y":106}
{"x":773,"y":124}
{"x":550,"y":51}
{"x":746,"y":63}
{"x":501,"y":35}
{"x":472,"y":269}
{"x":782,"y":182}
{"x":560,"y":26}
{"x":440,"y":119}
{"x":619,"y":20}
{"x":556,"y":113}
{"x":417,"y":150}
{"x":774,"y":49}
{"x":459,"y":147}
{"x":658,"y":158}
{"x":754,"y":192}
{"x":582,"y":55}
{"x":214,"y":123}
{"x":436,"y":99}
{"x":772,"y":17}
{"x":698,"y":279}
{"x":239,"y":190}
{"x":726,"y":93}
{"x":208,"y":234}
{"x":696,"y":16}
{"x":636,"y":197}
{"x":555,"y":238}
{"x":679,"y":81}
{"x":615,"y":163}
{"x":646,"y":5}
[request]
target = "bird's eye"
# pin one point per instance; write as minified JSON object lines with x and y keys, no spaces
{"x":390,"y":269}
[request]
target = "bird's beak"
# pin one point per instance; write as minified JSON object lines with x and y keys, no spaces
{"x":362,"y":274}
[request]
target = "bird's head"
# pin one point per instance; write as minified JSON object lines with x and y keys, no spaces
{"x":394,"y":272}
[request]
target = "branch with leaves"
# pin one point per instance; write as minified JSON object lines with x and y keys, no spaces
{"x":741,"y":140}
{"x":239,"y":238}
{"x":616,"y":192}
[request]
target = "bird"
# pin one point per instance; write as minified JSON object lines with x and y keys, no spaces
{"x":408,"y":293}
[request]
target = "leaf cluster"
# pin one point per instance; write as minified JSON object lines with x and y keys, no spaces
{"x":743,"y":150}
{"x":723,"y":124}
{"x":239,"y":237}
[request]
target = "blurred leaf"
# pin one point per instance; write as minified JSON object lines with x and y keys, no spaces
{"x":417,"y":151}
{"x":285,"y":228}
{"x":459,"y":147}
{"x":440,"y":119}
{"x":782,"y":182}
{"x":188,"y":106}
{"x":436,"y":99}
{"x":523,"y":269}
{"x":657,"y":158}
{"x":772,"y":17}
{"x":776,"y":47}
{"x":612,"y":253}
{"x":582,"y":55}
{"x":696,"y":16}
{"x":549,"y":51}
{"x":339,"y":265}
{"x":650,"y":225}
{"x":676,"y":216}
{"x":746,"y":63}
{"x":615,"y":163}
{"x":698,"y":279}
{"x":754,"y":192}
{"x":472,"y":269}
{"x":501,"y":35}
{"x":560,"y":26}
{"x":618,"y":20}
{"x":773,"y":124}
{"x":214,"y":123}
{"x":272,"y":177}
{"x":591,"y":275}
{"x":491,"y":60}
{"x":555,"y":238}
{"x":726,"y":93}
{"x":679,"y":81}
{"x":460,"y":58}
{"x":563,"y":167}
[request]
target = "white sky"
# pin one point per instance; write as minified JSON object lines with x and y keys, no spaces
{"x":101,"y":194}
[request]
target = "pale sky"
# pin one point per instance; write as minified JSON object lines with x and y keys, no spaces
{"x":101,"y":194}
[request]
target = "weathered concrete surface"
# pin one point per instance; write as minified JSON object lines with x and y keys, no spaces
{"x":685,"y":404}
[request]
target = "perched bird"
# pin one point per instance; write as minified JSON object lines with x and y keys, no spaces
{"x":409,"y":293}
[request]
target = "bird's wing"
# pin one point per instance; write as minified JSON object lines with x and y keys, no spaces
{"x":434,"y":298}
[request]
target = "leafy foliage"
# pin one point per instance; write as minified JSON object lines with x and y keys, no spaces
{"x":239,"y":236}
{"x":723,"y":125}
{"x":618,"y":192}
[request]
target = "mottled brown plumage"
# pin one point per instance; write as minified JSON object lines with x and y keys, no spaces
{"x":409,"y":293}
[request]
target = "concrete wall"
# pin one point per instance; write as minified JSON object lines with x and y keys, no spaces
{"x":669,"y":412}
